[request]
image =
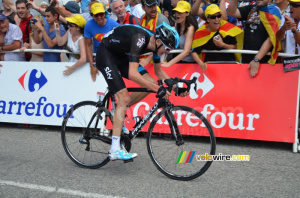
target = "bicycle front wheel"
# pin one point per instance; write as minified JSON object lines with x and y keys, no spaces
{"x":176,"y":141}
{"x":84,"y":135}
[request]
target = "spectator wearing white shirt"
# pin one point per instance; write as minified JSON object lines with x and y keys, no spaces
{"x":289,"y":30}
{"x":12,"y":40}
{"x":136,"y":8}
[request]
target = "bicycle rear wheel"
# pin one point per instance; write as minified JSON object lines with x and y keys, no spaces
{"x":180,"y":159}
{"x":84,"y":135}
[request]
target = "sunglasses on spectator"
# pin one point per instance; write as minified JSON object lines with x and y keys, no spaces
{"x":99,"y":15}
{"x":215,"y":16}
{"x":72,"y":25}
{"x":294,"y":5}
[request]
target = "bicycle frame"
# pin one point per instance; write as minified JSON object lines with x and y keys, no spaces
{"x":164,"y":103}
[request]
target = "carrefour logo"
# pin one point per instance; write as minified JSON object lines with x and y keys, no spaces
{"x":206,"y":85}
{"x":33,"y":81}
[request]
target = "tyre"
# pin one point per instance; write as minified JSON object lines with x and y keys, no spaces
{"x":84,"y":135}
{"x":180,"y":159}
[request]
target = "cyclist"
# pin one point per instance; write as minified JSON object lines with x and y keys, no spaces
{"x":124,"y":45}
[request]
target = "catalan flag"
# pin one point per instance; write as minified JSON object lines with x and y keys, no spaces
{"x":271,"y":18}
{"x":151,"y":25}
{"x":202,"y":35}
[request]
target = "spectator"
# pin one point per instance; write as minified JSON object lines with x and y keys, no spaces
{"x":199,"y":7}
{"x":136,"y":8}
{"x":151,"y":19}
{"x":12,"y":35}
{"x":23,"y":11}
{"x":8,"y":12}
{"x":257,"y":36}
{"x":47,"y":35}
{"x":64,"y":12}
{"x":84,"y":5}
{"x":118,"y":8}
{"x":215,"y":34}
{"x":168,"y":16}
{"x":35,"y":56}
{"x":289,"y":30}
{"x":94,"y":30}
{"x":186,"y":25}
{"x":75,"y":42}
{"x":72,"y":7}
{"x":127,"y":6}
{"x":44,"y":5}
{"x":284,"y":6}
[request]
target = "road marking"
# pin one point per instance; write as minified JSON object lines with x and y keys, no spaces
{"x":54,"y":189}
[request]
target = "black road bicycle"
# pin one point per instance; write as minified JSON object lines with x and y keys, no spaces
{"x":175,"y":150}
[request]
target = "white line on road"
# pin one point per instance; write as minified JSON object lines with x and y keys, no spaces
{"x":53,"y":189}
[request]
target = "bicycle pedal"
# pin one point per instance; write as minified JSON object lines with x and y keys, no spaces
{"x":126,"y":161}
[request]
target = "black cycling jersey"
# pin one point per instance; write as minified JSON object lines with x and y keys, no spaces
{"x":129,"y":40}
{"x":118,"y":47}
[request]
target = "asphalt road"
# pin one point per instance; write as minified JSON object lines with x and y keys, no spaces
{"x":34,"y":164}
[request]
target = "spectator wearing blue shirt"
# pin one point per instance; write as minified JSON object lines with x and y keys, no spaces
{"x":94,"y":31}
{"x":48,"y":36}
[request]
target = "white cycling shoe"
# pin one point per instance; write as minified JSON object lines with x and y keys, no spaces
{"x":121,"y":155}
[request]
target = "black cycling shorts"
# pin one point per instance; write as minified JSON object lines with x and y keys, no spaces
{"x":113,"y":68}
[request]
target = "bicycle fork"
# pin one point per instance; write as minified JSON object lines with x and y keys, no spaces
{"x":174,"y":127}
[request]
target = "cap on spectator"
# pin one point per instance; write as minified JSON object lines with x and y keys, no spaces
{"x":77,"y":19}
{"x":211,"y":9}
{"x":44,"y":3}
{"x":97,"y":8}
{"x":72,"y":7}
{"x":183,"y":6}
{"x":2,"y":17}
{"x":149,"y":2}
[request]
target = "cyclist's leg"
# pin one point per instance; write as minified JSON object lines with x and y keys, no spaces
{"x":108,"y":63}
{"x":138,"y":96}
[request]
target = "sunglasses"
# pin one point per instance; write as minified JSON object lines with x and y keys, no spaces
{"x":215,"y":16}
{"x":294,"y":5}
{"x":99,"y":15}
{"x":72,"y":25}
{"x":168,"y":49}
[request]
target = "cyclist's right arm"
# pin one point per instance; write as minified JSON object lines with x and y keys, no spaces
{"x":135,"y":76}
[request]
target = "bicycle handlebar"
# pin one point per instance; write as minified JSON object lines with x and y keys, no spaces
{"x":172,"y":81}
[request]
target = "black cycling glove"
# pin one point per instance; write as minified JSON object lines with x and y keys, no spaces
{"x":161,"y":92}
{"x":180,"y":91}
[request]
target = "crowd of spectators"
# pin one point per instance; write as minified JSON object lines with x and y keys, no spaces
{"x":79,"y":26}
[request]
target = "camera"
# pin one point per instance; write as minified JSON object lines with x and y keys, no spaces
{"x":33,"y":21}
{"x":217,"y":37}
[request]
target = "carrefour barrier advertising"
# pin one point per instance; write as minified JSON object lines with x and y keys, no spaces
{"x":39,"y":93}
{"x":237,"y":105}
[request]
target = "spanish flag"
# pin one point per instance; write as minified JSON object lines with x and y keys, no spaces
{"x":202,"y":35}
{"x":271,"y":18}
{"x":151,"y":25}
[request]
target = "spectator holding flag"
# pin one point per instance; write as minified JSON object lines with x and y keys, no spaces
{"x":215,"y":34}
{"x":262,"y":23}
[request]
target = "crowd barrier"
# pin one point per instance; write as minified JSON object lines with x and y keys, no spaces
{"x":238,"y":106}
